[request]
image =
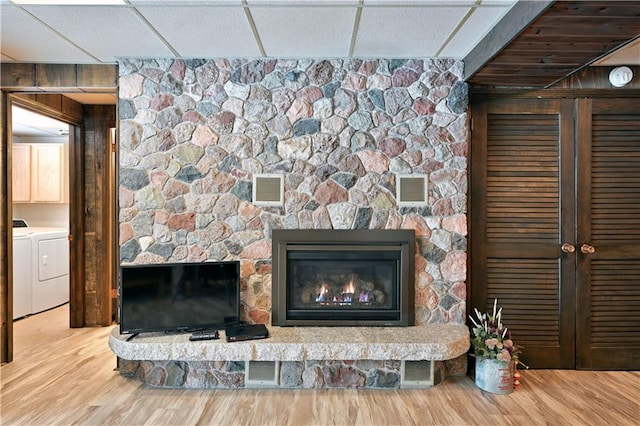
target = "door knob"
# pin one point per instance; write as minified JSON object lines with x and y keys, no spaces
{"x":587,"y":249}
{"x":568,"y":248}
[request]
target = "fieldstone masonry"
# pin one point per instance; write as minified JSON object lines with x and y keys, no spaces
{"x":293,"y":374}
{"x":194,"y":132}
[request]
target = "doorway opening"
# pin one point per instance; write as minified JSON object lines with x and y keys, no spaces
{"x":86,"y":202}
{"x":40,"y":212}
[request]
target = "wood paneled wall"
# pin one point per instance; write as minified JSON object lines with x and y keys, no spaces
{"x":98,"y":193}
{"x":59,"y":77}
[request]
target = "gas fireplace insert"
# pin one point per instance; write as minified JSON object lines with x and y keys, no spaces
{"x":343,"y":277}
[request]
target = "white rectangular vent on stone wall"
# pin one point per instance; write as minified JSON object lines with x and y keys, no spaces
{"x":268,"y":190}
{"x":262,"y":374}
{"x":412,"y":190}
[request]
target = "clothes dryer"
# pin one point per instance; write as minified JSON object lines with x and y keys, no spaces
{"x":50,"y":256}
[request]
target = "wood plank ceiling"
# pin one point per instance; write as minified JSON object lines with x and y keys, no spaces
{"x":566,"y":37}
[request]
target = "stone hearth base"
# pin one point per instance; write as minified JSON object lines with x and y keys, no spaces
{"x":291,"y":374}
{"x":299,"y":357}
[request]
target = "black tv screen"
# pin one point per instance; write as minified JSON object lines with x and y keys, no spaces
{"x":179,"y":296}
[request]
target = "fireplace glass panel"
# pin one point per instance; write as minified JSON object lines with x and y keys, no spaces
{"x":340,"y":283}
{"x":362,"y":277}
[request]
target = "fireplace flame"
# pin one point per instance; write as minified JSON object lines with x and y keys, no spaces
{"x":321,"y":297}
{"x":350,"y":288}
{"x":350,"y":294}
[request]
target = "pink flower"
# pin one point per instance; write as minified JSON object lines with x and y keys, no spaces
{"x":504,"y":355}
{"x":491,"y":343}
{"x":508,"y":343}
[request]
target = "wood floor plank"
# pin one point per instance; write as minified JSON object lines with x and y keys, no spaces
{"x":67,"y":376}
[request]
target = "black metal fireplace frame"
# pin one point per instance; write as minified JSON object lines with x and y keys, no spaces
{"x":287,"y":239}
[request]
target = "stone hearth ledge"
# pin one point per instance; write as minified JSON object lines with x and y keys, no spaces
{"x":434,"y":342}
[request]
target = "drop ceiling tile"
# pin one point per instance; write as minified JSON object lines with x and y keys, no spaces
{"x":204,"y":32}
{"x":107,"y":32}
{"x":303,"y":3}
{"x":24,"y":39}
{"x":306,"y":32}
{"x":429,"y":3}
{"x":401,"y":32}
{"x":481,"y":21}
{"x":508,"y":3}
{"x":185,"y":2}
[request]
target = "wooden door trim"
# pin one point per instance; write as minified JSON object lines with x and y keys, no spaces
{"x":477,"y":215}
{"x":567,"y":218}
{"x":583,"y":176}
{"x":6,"y":234}
{"x":76,"y":229}
{"x":112,"y":231}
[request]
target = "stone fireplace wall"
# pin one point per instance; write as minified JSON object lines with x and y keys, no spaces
{"x":194,"y":132}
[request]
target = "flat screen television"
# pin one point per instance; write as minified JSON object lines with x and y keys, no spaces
{"x":179,"y":297}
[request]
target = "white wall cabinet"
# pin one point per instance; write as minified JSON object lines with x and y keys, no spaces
{"x":38,"y":173}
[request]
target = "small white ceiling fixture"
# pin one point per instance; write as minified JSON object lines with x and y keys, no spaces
{"x":620,"y":76}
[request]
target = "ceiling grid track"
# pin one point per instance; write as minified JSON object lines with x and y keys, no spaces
{"x":156,"y":32}
{"x":356,"y":26}
{"x":458,"y":27}
{"x":254,"y":29}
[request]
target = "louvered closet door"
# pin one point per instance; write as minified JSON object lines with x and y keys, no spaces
{"x":523,"y":210}
{"x":608,"y":328}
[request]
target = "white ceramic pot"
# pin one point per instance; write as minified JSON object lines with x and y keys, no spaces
{"x":494,"y":376}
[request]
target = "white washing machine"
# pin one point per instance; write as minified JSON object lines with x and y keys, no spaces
{"x":50,"y":257}
{"x":22,"y":274}
{"x":48,"y":265}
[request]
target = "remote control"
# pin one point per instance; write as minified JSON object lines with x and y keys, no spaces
{"x":204,"y":335}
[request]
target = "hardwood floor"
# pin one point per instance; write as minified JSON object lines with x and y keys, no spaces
{"x":67,"y":376}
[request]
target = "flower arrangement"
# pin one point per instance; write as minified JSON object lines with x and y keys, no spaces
{"x":491,"y":339}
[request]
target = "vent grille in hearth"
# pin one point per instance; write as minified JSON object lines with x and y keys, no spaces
{"x":262,"y":374}
{"x":411,"y":190}
{"x":416,"y":374}
{"x":268,"y":190}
